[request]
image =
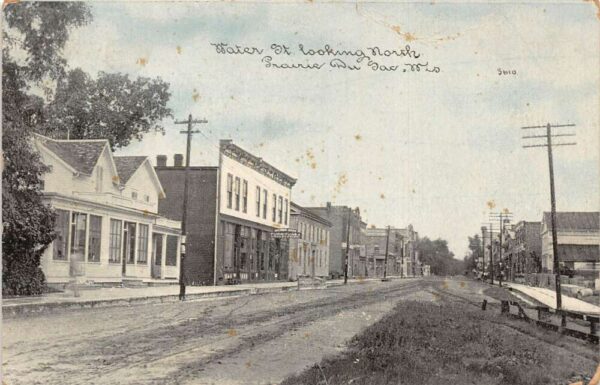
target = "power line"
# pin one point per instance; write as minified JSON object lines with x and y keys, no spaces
{"x":491,"y":234}
{"x":548,"y":136}
{"x":502,"y":217}
{"x":189,"y":132}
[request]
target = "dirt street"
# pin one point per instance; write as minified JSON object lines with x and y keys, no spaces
{"x":257,"y":339}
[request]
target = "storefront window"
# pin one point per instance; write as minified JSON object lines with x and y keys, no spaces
{"x":62,"y":235}
{"x":171,"y":257}
{"x":143,"y":244}
{"x":229,"y":231}
{"x":78,"y":229}
{"x":157,"y":244}
{"x":116,"y":229}
{"x":94,"y":238}
{"x":129,"y":244}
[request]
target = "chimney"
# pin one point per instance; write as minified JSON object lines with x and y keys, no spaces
{"x":178,"y":160}
{"x":161,"y":161}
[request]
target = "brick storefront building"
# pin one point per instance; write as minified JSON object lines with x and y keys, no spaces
{"x":233,"y":211}
{"x":377,"y":243}
{"x":202,"y":211}
{"x":525,"y":248}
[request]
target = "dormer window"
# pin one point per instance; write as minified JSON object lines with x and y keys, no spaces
{"x":134,"y":195}
{"x":99,"y":177}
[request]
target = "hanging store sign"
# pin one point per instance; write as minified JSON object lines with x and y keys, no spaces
{"x":285,"y":234}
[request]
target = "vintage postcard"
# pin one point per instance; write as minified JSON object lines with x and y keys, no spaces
{"x":300,"y":192}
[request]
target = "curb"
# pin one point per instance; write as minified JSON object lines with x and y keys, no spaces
{"x":38,"y":308}
{"x":15,"y":310}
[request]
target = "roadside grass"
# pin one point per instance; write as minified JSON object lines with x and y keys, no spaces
{"x":500,"y":293}
{"x":447,"y":343}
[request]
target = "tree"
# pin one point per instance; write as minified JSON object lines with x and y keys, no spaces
{"x":437,"y":255}
{"x":471,"y":260}
{"x":40,"y":30}
{"x":111,"y":107}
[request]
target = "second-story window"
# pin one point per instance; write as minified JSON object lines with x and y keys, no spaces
{"x":285,"y":214}
{"x":229,"y":190}
{"x":245,"y":196}
{"x":280,"y":212}
{"x":237,"y":194}
{"x":134,"y":195}
{"x":258,"y":201}
{"x":265,"y":203}
{"x":274,"y":216}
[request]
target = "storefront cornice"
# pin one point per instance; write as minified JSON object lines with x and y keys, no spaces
{"x":232,"y":151}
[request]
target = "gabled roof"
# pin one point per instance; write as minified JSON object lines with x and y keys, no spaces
{"x":81,"y":155}
{"x":127,"y":165}
{"x":577,"y":221}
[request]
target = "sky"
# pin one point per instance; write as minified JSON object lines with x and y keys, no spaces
{"x":438,"y":150}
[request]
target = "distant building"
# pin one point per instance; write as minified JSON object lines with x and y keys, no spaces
{"x":107,"y":222}
{"x":508,"y":246}
{"x":578,"y":236}
{"x":376,"y":242}
{"x":490,"y":241}
{"x":426,"y":270}
{"x":309,"y":253}
{"x":339,"y":216}
{"x":233,"y":211}
{"x":524,"y":248}
{"x":410,"y":254}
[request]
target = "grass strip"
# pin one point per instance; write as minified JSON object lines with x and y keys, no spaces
{"x":447,"y":343}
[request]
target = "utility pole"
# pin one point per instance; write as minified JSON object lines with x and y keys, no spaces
{"x":482,"y":253}
{"x":491,"y":246}
{"x":189,"y":132}
{"x":347,"y":247}
{"x":401,"y":256}
{"x":502,"y":217}
{"x":387,"y":243}
{"x":548,"y":136}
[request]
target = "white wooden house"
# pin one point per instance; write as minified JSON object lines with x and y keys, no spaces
{"x":107,"y":222}
{"x":578,"y":236}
